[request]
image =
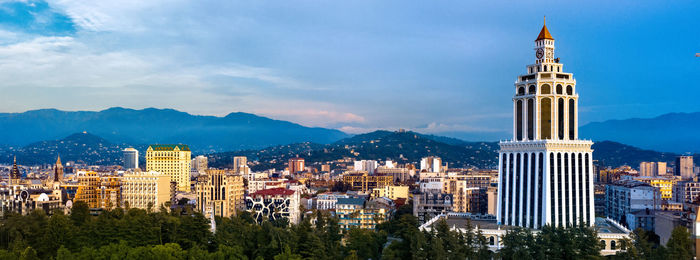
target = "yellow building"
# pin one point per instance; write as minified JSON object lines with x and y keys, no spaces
{"x":172,"y":160}
{"x":665,"y":185}
{"x":220,"y":192}
{"x":391,"y":192}
{"x":98,"y":192}
{"x":88,"y":185}
{"x":366,"y":183}
{"x":144,"y":189}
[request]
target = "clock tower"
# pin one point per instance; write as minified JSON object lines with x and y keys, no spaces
{"x":545,"y":171}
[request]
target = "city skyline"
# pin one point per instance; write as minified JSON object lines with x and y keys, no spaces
{"x":420,"y":67}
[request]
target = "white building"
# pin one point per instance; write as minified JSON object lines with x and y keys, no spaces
{"x":652,"y":169}
{"x":240,"y":165}
{"x":327,"y":200}
{"x":370,"y":166}
{"x":200,"y":163}
{"x":131,"y":158}
{"x":546,"y":172}
{"x":431,"y":164}
{"x":625,"y":196}
{"x":143,"y":189}
{"x":273,"y":204}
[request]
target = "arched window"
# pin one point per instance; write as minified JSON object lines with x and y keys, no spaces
{"x":560,"y":118}
{"x":531,"y":89}
{"x":519,"y":120}
{"x":521,"y":91}
{"x":572,"y":117}
{"x":612,"y":245}
{"x":559,"y":90}
{"x":492,"y":241}
{"x":602,"y":243}
{"x":569,"y":90}
{"x":546,"y":118}
{"x":545,"y":89}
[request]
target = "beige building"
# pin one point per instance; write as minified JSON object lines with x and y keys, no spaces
{"x":391,"y":192}
{"x":365,"y":182}
{"x":220,"y":192}
{"x":171,"y":160}
{"x":652,"y":169}
{"x":141,"y":189}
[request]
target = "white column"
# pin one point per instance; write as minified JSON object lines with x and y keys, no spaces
{"x":515,"y":117}
{"x":570,"y":183}
{"x":512,"y":192}
{"x":556,"y":189}
{"x":506,"y":221}
{"x":520,"y":191}
{"x":577,"y":188}
{"x":501,"y":177}
{"x":528,"y":190}
{"x":576,"y":114}
{"x":584,"y":183}
{"x":537,"y":210}
{"x":566,"y":115}
{"x":547,"y":206}
{"x":591,"y":206}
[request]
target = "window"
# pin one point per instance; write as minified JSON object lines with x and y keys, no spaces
{"x":545,"y":89}
{"x":569,"y":90}
{"x":560,"y":118}
{"x":521,"y":91}
{"x":572,"y":119}
{"x":531,"y":89}
{"x":546,"y":118}
{"x":530,"y":119}
{"x":519,"y":120}
{"x":559,"y":90}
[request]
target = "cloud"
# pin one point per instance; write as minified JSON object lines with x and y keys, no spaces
{"x":314,"y":117}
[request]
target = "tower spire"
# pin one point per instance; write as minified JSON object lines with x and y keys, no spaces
{"x":544,"y":33}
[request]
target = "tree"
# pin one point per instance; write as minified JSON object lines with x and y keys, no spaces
{"x":680,"y":245}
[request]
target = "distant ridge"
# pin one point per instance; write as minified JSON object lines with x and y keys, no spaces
{"x":235,"y":131}
{"x":673,"y":132}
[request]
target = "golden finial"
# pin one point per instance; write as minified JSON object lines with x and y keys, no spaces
{"x":545,"y":20}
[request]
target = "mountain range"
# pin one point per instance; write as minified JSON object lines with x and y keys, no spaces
{"x":674,"y":132}
{"x":402,"y":146}
{"x":236,"y":131}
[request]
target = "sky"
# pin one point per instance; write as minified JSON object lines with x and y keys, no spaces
{"x":442,"y":67}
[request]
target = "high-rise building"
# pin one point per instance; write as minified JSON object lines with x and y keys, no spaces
{"x":240,"y":164}
{"x":652,"y":169}
{"x":144,"y":189}
{"x":172,"y":160}
{"x":431,"y":164}
{"x":220,"y":193}
{"x":546,"y":172}
{"x":131,"y":158}
{"x":296,"y":165}
{"x":684,"y":167}
{"x":200,"y":163}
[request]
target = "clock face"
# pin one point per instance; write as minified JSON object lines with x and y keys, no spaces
{"x":540,"y":53}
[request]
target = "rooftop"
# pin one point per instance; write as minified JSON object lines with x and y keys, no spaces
{"x":351,"y":201}
{"x":273,"y":192}
{"x":168,"y":147}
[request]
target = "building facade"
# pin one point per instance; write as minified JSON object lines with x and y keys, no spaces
{"x":296,"y":165}
{"x":391,"y":192}
{"x":273,"y":204}
{"x":427,"y":205}
{"x":685,"y":167}
{"x":359,"y":213}
{"x":546,"y":172}
{"x":626,"y":196}
{"x":366,"y":183}
{"x":220,"y":193}
{"x":172,"y":160}
{"x":131,"y":158}
{"x":652,"y":169}
{"x":146,"y":189}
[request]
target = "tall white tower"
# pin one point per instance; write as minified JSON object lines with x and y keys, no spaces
{"x":545,"y":171}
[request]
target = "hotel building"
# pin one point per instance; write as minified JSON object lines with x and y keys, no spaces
{"x":172,"y":160}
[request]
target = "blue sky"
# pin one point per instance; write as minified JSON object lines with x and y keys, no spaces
{"x":444,"y":67}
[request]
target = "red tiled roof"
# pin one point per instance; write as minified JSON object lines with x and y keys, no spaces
{"x":273,"y":192}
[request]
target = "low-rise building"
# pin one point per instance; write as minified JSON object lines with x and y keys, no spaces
{"x":392,"y":192}
{"x":359,"y":213}
{"x":365,"y":182}
{"x":626,"y":196}
{"x":146,"y":189}
{"x":327,"y":200}
{"x":427,"y":205}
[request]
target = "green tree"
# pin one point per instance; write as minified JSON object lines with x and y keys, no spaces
{"x":680,"y":245}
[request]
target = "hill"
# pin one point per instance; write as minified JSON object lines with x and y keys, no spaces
{"x":674,"y":132}
{"x":236,"y":131}
{"x":79,"y":147}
